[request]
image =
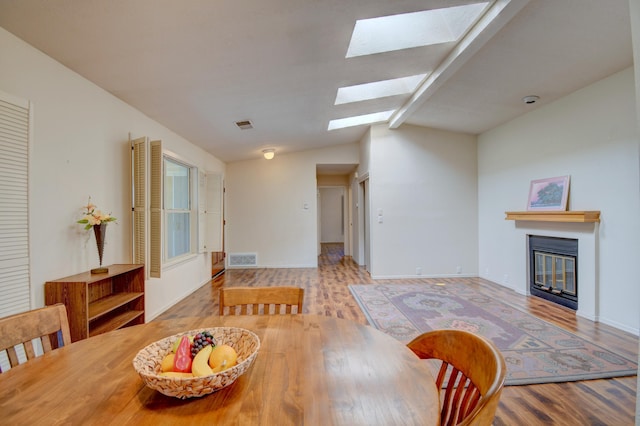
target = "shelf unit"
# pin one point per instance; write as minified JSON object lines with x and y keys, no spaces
{"x":98,"y":303}
{"x":591,"y":216}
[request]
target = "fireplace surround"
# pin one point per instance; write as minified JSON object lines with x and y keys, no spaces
{"x":587,"y":269}
{"x":553,"y":272}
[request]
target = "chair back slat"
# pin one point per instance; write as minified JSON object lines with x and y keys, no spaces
{"x":261,"y":300}
{"x":44,"y":324}
{"x":13,"y":356}
{"x":470,"y":378}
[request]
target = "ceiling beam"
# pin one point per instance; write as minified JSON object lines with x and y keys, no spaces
{"x":496,"y":17}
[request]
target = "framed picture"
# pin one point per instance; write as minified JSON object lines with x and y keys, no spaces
{"x":549,"y":194}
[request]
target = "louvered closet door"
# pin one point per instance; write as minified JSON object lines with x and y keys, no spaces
{"x":14,"y":206}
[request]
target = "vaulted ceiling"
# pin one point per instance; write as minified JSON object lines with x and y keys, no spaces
{"x":199,"y":66}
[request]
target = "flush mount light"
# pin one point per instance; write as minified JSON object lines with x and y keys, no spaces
{"x":244,"y":125}
{"x":269,"y":153}
{"x":530,"y":99}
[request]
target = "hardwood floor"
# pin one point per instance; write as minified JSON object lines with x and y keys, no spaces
{"x":595,"y":402}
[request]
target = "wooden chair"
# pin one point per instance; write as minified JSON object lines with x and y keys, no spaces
{"x":470,"y":360}
{"x":260,"y":297}
{"x":48,"y":324}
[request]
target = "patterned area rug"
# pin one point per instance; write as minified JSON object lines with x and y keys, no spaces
{"x":535,"y":351}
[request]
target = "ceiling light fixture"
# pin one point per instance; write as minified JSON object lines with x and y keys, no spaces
{"x":269,"y":153}
{"x":532,"y":99}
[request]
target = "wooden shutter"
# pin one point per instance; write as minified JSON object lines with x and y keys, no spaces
{"x":139,"y":199}
{"x":155,"y":209}
{"x":14,"y":206}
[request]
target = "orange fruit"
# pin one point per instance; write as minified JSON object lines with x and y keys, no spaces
{"x":167,"y":363}
{"x":222,"y":357}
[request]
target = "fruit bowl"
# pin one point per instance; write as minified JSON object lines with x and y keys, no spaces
{"x":147,"y":363}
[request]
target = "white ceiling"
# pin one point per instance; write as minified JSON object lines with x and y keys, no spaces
{"x":197,"y":66}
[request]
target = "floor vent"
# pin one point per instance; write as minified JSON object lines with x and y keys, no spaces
{"x":243,"y":259}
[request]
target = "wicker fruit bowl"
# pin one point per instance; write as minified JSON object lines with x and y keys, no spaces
{"x":147,"y":363}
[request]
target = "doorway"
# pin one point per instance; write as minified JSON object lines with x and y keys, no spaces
{"x":364,"y":224}
{"x":334,"y":205}
{"x":332,"y":214}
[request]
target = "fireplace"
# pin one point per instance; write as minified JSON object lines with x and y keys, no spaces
{"x":553,"y":271}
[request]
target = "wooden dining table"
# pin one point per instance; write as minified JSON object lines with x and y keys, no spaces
{"x":310,"y":370}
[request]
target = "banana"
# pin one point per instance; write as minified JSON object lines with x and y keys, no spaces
{"x":200,"y":364}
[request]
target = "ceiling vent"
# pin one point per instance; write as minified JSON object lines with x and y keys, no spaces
{"x":244,"y":125}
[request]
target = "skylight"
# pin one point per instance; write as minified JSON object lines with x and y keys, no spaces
{"x":403,"y":31}
{"x":378,"y":89}
{"x":376,"y":117}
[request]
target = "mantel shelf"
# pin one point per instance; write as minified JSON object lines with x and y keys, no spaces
{"x":555,"y":216}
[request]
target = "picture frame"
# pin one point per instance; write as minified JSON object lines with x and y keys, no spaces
{"x":549,"y":194}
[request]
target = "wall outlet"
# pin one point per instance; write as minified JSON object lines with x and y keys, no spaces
{"x":458,"y":269}
{"x":506,"y":278}
{"x":418,"y":271}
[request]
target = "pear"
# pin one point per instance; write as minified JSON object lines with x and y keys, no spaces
{"x":200,"y":365}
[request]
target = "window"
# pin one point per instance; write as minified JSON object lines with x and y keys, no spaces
{"x":179,"y":210}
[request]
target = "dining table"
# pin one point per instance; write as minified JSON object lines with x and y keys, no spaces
{"x":309,"y":370}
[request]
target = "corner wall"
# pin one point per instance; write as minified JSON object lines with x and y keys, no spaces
{"x":79,"y":148}
{"x":423,"y":203}
{"x":590,"y":135}
{"x":271,"y":206}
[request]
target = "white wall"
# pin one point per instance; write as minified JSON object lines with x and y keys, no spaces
{"x":634,"y":12}
{"x":590,"y":135}
{"x":265,"y":206}
{"x":80,"y":149}
{"x":423,"y":181}
{"x":331,"y":214}
{"x":357,"y":207}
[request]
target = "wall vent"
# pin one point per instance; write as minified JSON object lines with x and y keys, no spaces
{"x":243,"y":259}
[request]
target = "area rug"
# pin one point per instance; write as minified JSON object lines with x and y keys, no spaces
{"x":535,"y":351}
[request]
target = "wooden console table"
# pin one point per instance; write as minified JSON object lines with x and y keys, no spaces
{"x":97,"y":303}
{"x":556,"y":216}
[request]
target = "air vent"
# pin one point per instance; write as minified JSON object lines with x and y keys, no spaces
{"x":243,"y":259}
{"x":244,"y":125}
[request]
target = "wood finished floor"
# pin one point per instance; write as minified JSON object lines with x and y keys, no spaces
{"x":608,"y":402}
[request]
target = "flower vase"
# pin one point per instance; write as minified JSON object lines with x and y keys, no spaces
{"x":100,"y":231}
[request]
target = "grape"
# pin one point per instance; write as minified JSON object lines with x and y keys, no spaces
{"x":200,"y":340}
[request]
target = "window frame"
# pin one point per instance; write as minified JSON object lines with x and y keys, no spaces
{"x":192,"y":212}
